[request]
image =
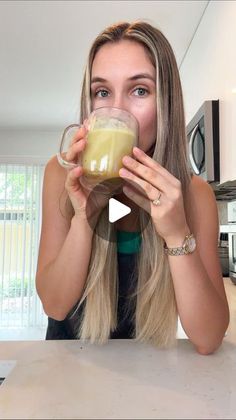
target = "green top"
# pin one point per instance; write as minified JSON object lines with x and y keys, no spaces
{"x":128,"y":242}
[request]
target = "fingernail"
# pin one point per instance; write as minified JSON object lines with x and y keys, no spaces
{"x":137,"y":150}
{"x":123,"y":172}
{"x":127,"y":159}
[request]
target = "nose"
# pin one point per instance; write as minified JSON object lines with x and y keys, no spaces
{"x":119,"y":102}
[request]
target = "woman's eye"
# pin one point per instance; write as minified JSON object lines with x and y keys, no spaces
{"x":140,"y":91}
{"x":102,"y":93}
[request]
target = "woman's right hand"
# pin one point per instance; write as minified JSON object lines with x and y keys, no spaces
{"x":78,"y":195}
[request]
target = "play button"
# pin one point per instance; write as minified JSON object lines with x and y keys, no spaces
{"x":110,"y":193}
{"x":117,"y":210}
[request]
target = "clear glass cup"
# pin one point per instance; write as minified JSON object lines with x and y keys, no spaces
{"x":112,"y":134}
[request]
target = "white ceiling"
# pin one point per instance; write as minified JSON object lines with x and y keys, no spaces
{"x":44,"y":46}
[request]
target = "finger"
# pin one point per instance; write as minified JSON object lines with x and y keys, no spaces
{"x":134,"y":186}
{"x":79,"y":134}
{"x":150,"y":191}
{"x":76,"y":148}
{"x":148,"y":174}
{"x":138,"y":198}
{"x":151,"y":163}
{"x":72,"y":177}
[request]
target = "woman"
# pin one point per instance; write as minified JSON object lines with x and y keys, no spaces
{"x":89,"y":287}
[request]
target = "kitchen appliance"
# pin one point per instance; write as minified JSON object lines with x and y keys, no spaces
{"x":203,"y":142}
{"x":232,"y":240}
{"x":223,"y":252}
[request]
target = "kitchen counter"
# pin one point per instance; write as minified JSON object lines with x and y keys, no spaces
{"x":122,"y":379}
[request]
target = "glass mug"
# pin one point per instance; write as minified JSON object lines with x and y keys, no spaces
{"x":112,"y":134}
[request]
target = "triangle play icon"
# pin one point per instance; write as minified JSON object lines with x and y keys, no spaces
{"x":117,"y":210}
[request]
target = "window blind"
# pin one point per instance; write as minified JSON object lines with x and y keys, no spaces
{"x":20,"y":226}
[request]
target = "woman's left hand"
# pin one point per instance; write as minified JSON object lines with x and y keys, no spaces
{"x":156,"y":182}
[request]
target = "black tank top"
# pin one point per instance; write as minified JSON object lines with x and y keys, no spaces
{"x":127,"y":273}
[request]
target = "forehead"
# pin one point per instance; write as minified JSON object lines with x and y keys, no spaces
{"x":124,"y":54}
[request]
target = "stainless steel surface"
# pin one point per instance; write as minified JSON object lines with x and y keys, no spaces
{"x":231,"y":229}
{"x":223,"y":252}
{"x":232,"y":252}
{"x":203,"y":138}
{"x":232,"y":240}
{"x":224,"y":261}
{"x":210,"y":142}
{"x":232,"y":212}
{"x":192,"y":161}
{"x":232,"y":276}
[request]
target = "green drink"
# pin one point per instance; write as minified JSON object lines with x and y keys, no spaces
{"x":102,"y":158}
{"x":112,"y":134}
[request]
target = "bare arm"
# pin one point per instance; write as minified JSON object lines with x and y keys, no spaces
{"x":198,"y":283}
{"x":197,"y":279}
{"x":65,"y":248}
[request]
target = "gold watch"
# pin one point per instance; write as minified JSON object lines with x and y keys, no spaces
{"x":189,"y":245}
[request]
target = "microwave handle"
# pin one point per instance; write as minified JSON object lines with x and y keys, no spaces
{"x":192,"y":161}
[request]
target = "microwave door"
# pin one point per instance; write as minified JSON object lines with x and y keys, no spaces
{"x":232,"y":252}
{"x":197,"y":150}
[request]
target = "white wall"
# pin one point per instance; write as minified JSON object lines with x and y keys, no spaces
{"x":28,"y":146}
{"x":209,"y":72}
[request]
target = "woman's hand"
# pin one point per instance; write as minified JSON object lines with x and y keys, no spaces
{"x":77,"y":193}
{"x":151,"y":180}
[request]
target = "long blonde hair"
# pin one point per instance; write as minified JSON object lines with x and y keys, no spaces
{"x":156,"y":311}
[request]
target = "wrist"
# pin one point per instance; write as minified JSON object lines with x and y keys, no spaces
{"x":188,"y":246}
{"x":177,"y":240}
{"x":80,"y":221}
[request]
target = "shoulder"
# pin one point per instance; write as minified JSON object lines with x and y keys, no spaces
{"x":200,"y":186}
{"x":200,"y":192}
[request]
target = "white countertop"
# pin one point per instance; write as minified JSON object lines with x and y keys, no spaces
{"x":122,"y":379}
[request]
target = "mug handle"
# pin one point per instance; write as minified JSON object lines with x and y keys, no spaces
{"x":64,"y":163}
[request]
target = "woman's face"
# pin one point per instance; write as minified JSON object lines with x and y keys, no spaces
{"x":124,"y":77}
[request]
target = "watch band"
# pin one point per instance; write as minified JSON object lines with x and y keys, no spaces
{"x":182,"y":250}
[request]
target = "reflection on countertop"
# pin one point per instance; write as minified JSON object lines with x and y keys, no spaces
{"x":122,"y":379}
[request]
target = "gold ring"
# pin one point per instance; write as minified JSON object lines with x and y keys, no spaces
{"x":157,"y":201}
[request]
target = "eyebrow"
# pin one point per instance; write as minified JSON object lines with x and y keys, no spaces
{"x":135,"y":77}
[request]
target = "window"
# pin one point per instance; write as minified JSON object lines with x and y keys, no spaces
{"x":20,"y":225}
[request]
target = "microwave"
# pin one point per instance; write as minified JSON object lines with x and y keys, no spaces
{"x":203,"y":142}
{"x":231,"y":210}
{"x":231,"y":207}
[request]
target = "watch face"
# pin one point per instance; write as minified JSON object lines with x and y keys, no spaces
{"x":191,"y":244}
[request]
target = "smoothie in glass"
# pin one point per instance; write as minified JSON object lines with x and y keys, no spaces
{"x":111,"y":134}
{"x":102,"y":158}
